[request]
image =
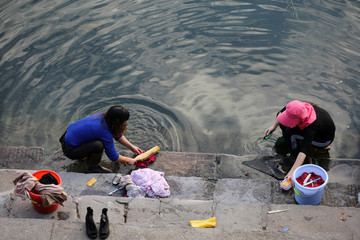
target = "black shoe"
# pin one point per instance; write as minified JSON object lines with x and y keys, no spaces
{"x":98,"y":169}
{"x":91,"y":230}
{"x":104,"y":224}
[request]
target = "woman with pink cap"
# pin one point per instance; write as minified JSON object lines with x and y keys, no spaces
{"x":307,"y":123}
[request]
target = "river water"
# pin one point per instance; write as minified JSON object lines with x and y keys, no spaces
{"x":197,"y":76}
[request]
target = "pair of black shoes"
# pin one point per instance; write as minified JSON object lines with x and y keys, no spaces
{"x":91,"y":229}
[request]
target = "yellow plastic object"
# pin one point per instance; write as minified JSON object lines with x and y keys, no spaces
{"x":147,"y":154}
{"x":286,"y":184}
{"x":211,"y":222}
{"x":91,"y":182}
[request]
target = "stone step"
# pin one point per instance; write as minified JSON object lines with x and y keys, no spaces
{"x":182,"y":164}
{"x":196,"y":188}
{"x":142,"y":218}
{"x":202,"y":186}
{"x":218,"y":166}
{"x":24,"y":229}
{"x":240,"y":205}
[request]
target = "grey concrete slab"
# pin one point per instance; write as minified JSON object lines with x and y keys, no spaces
{"x":20,"y":157}
{"x":75,"y":183}
{"x":231,"y":166}
{"x":6,"y":188}
{"x":243,"y":190}
{"x":341,"y":195}
{"x":302,"y":218}
{"x":240,"y":217}
{"x":346,"y":173}
{"x":17,"y":207}
{"x":179,"y":212}
{"x":185,"y":164}
{"x":116,"y":211}
{"x":75,"y":231}
{"x":64,"y":230}
{"x":191,"y":187}
{"x":7,"y":177}
{"x":334,"y":195}
{"x":142,"y":211}
{"x":130,"y":233}
{"x":280,"y":196}
{"x":58,"y":230}
{"x":25,"y":229}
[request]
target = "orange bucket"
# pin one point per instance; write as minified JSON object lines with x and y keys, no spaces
{"x":36,"y":198}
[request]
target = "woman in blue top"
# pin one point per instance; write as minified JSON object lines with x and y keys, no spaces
{"x":89,"y":137}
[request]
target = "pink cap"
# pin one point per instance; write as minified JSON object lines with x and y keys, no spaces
{"x":295,"y":113}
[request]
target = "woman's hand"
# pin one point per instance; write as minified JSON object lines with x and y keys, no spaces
{"x":130,"y":161}
{"x":126,"y":160}
{"x":136,"y":150}
{"x":298,"y":162}
{"x":272,"y":128}
{"x":289,"y":175}
{"x":269,"y":130}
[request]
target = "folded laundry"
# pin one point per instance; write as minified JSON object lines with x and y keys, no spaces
{"x":23,"y":181}
{"x":50,"y":199}
{"x":50,"y":193}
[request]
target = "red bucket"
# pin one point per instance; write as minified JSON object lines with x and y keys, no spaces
{"x":36,"y":198}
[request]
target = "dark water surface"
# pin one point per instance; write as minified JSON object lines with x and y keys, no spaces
{"x":197,"y":76}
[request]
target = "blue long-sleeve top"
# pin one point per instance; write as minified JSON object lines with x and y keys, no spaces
{"x":90,"y":129}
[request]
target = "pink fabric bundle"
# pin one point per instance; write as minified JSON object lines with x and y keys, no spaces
{"x":151,"y":182}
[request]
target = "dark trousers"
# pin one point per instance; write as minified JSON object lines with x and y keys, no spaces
{"x":92,"y":151}
{"x":293,"y":138}
{"x":287,"y":133}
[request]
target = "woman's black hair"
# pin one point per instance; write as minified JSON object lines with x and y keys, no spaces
{"x":313,"y":104}
{"x":116,"y":118}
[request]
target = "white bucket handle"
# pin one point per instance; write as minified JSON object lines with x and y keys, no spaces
{"x":27,"y":194}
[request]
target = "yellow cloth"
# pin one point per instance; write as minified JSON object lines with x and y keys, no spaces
{"x":211,"y":222}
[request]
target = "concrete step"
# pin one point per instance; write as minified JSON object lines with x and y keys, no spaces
{"x":145,"y":218}
{"x":182,"y":164}
{"x":246,"y":190}
{"x":24,"y":229}
{"x":241,"y":206}
{"x":219,"y":166}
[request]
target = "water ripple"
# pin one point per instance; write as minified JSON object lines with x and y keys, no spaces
{"x":196,"y":75}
